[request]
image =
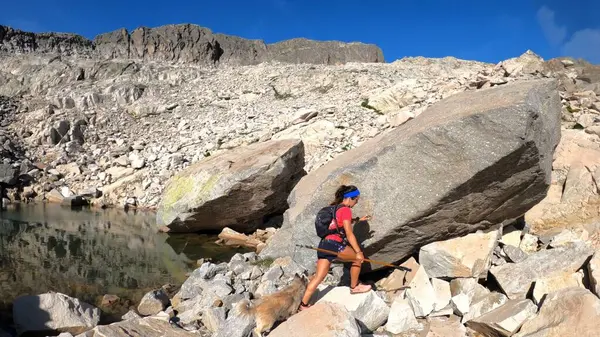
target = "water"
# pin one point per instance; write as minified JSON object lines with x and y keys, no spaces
{"x":88,"y":253}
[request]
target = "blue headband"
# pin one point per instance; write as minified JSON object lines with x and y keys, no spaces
{"x":352,"y":194}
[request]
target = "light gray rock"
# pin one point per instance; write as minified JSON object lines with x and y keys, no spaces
{"x":53,"y":311}
{"x":512,"y":129}
{"x":213,"y":318}
{"x":202,"y":196}
{"x":148,"y":327}
{"x":153,"y":302}
{"x":504,"y":320}
{"x":442,"y":294}
{"x":470,"y":287}
{"x":401,"y":317}
{"x":516,"y":278}
{"x":568,"y":312}
{"x":322,"y":320}
{"x":514,"y":254}
{"x":485,"y":305}
{"x":369,"y":309}
{"x":467,"y":256}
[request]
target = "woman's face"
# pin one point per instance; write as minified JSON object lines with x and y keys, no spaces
{"x":353,"y":201}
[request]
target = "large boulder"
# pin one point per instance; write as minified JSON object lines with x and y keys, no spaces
{"x":54,"y":311}
{"x":573,"y":196}
{"x":568,"y":312}
{"x":324,"y":319}
{"x":516,"y":279}
{"x":369,"y":309}
{"x":235,"y":189}
{"x":147,"y":327}
{"x":469,"y":162}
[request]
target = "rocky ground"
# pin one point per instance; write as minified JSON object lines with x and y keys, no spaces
{"x":80,"y":128}
{"x":502,"y":282}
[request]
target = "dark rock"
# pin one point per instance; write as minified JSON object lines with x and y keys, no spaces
{"x":514,"y":254}
{"x":186,"y":43}
{"x":471,"y":161}
{"x":8,"y":174}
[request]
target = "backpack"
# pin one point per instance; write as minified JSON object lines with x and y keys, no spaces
{"x":324,"y":218}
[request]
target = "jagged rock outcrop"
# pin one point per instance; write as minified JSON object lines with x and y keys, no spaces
{"x":186,"y":43}
{"x":500,"y":143}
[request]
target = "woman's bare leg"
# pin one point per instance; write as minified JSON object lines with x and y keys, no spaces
{"x":322,"y":269}
{"x":349,"y":255}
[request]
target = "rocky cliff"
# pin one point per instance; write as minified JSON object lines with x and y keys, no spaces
{"x":186,"y":43}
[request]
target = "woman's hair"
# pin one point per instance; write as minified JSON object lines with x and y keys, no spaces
{"x":339,"y":194}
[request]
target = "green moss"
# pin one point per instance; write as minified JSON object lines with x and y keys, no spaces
{"x":365,"y":104}
{"x":266,"y":262}
{"x":177,"y":189}
{"x":189,"y":188}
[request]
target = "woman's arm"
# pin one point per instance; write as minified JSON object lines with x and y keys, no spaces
{"x":352,"y":238}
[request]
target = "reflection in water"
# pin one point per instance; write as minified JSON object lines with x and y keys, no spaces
{"x":89,"y":253}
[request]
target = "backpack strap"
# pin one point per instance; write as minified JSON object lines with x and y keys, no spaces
{"x":337,"y":228}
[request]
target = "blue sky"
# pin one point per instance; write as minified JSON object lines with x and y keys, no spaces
{"x":484,"y":30}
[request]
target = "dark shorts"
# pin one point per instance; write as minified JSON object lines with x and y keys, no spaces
{"x":330,"y":245}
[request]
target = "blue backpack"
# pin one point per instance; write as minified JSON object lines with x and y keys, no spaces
{"x":324,"y":218}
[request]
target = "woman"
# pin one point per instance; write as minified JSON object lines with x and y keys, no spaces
{"x":346,"y":197}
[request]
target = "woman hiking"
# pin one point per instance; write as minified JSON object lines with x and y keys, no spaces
{"x":343,"y":242}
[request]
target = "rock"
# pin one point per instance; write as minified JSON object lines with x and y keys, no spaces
{"x":446,"y":327}
{"x":473,"y":291}
{"x":460,"y":304}
{"x":322,"y":320}
{"x":529,"y":243}
{"x":401,"y":317}
{"x":8,"y":174}
{"x":420,"y":295}
{"x":516,"y":278}
{"x":567,"y":236}
{"x":236,"y":325}
{"x":568,"y":312}
{"x":188,"y":43}
{"x":53,"y":311}
{"x":442,"y":294}
{"x":547,"y":285}
{"x":514,"y":254}
{"x":528,"y":63}
{"x":594,"y":272}
{"x":504,"y":320}
{"x":213,"y":318}
{"x":108,"y":300}
{"x":369,"y":309}
{"x":572,"y":197}
{"x":202,"y":196}
{"x":153,"y":302}
{"x":148,"y":327}
{"x":131,"y":314}
{"x":467,"y":256}
{"x":459,"y":202}
{"x":511,"y":236}
{"x":233,"y":238}
{"x":485,"y":305}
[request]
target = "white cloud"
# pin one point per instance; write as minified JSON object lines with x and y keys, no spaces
{"x":584,"y":43}
{"x":554,"y":33}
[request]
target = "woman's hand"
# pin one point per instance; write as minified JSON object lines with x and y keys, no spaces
{"x":365,"y":218}
{"x":360,"y":257}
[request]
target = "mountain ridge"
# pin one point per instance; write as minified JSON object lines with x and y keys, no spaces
{"x":186,"y":43}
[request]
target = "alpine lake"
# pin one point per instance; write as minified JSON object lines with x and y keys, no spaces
{"x":88,"y":253}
